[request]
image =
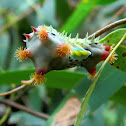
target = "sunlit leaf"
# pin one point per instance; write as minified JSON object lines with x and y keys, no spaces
{"x":82,"y":10}
{"x":113,"y":38}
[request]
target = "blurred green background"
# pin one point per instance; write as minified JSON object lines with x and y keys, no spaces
{"x":108,"y":101}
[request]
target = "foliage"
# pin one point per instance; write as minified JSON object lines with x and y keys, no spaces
{"x":80,"y":17}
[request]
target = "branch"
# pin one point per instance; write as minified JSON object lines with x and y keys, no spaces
{"x":14,"y":90}
{"x":23,"y":108}
{"x":107,"y":28}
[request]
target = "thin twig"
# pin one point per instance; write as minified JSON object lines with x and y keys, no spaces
{"x":14,"y":90}
{"x":23,"y":108}
{"x":107,"y":28}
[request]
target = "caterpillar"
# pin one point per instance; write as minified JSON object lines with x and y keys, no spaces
{"x":50,"y":50}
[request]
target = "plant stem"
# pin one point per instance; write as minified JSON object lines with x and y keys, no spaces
{"x":14,"y":90}
{"x":7,"y":113}
{"x":23,"y":108}
{"x":89,"y":92}
{"x":107,"y":28}
{"x":8,"y":110}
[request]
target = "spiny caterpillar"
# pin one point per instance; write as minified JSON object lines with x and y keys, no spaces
{"x":50,"y":50}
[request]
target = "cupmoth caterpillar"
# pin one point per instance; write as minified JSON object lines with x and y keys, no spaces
{"x":50,"y":50}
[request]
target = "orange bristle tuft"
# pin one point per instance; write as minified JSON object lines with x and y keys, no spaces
{"x":22,"y":54}
{"x":63,"y":49}
{"x":111,"y":48}
{"x":43,"y":35}
{"x":38,"y":79}
{"x":113,"y":58}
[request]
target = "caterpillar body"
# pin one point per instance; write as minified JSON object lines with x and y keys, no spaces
{"x":50,"y":50}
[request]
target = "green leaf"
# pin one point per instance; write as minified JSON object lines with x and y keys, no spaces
{"x":96,"y":119}
{"x":120,"y":96}
{"x":82,"y":10}
{"x":63,"y":10}
{"x":113,"y":38}
{"x":104,"y":2}
{"x":62,"y":79}
{"x":87,"y":96}
{"x":110,"y":81}
{"x":26,"y":119}
{"x":121,"y":62}
{"x":34,"y":100}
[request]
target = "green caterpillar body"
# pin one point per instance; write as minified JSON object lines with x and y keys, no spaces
{"x":50,"y":50}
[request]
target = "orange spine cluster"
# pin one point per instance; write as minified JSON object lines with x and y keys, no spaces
{"x":113,"y":58}
{"x":43,"y":35}
{"x":21,"y":54}
{"x":63,"y":49}
{"x":37,"y":79}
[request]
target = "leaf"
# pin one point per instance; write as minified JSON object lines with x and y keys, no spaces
{"x":110,"y":81}
{"x":95,"y":119}
{"x":63,"y":10}
{"x":113,"y":38}
{"x":104,"y":2}
{"x":120,"y":96}
{"x":114,"y":114}
{"x":87,"y":96}
{"x":26,"y":119}
{"x":34,"y":100}
{"x":82,"y":10}
{"x":120,"y":63}
{"x":62,"y":79}
{"x":11,"y":4}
